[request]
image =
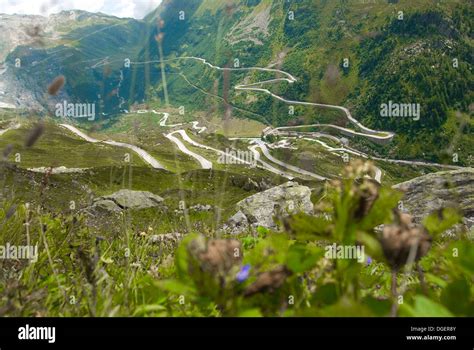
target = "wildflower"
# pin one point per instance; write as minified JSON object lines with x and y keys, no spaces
{"x":243,"y":274}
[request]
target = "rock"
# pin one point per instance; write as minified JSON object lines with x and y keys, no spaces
{"x":430,"y":193}
{"x":107,"y":205}
{"x":58,"y":170}
{"x":236,"y":224}
{"x":249,"y":184}
{"x":259,"y":209}
{"x":128,"y":199}
{"x":195,"y":208}
{"x":201,"y":207}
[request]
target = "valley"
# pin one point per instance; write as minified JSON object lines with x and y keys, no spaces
{"x":214,"y":150}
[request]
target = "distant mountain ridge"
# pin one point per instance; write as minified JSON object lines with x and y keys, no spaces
{"x":37,"y":49}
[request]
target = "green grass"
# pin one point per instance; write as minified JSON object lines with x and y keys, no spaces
{"x":92,"y":270}
{"x":59,"y":147}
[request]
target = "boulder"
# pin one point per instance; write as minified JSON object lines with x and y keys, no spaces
{"x":429,"y":193}
{"x":107,"y":205}
{"x":128,"y":199}
{"x":259,"y":209}
{"x":237,"y":223}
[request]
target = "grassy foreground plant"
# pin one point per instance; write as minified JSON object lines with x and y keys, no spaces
{"x":82,"y":272}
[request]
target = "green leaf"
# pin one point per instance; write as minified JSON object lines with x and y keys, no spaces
{"x":346,"y":308}
{"x":461,"y":256}
{"x":456,"y":296}
{"x":182,"y":256}
{"x":262,"y":231}
{"x":381,"y":212}
{"x":424,"y":307}
{"x":269,"y":251}
{"x":371,"y":245}
{"x":437,"y":224}
{"x":310,"y":228}
{"x":106,"y":260}
{"x":435,"y":280}
{"x":302,"y":257}
{"x":176,"y":287}
{"x":466,"y":256}
{"x":250,"y":313}
{"x":378,"y":307}
{"x":147,"y":309}
{"x":326,"y":294}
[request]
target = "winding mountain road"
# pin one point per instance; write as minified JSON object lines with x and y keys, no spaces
{"x":262,"y":145}
{"x":165,"y":119}
{"x":148,"y":158}
{"x":205,"y":164}
{"x":363,"y":131}
{"x":367,"y":132}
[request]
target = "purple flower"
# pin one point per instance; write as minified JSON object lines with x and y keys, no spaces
{"x":243,"y":274}
{"x":369,"y":260}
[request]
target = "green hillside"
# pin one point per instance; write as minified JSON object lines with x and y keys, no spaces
{"x":404,"y":59}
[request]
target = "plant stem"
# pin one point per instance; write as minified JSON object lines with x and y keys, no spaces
{"x":393,"y":311}
{"x":421,"y":276}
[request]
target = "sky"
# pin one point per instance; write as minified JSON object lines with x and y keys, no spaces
{"x":120,"y":8}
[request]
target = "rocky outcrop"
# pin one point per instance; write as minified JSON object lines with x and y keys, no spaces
{"x":128,"y":199}
{"x":58,"y":170}
{"x":237,"y":224}
{"x":248,"y":184}
{"x":260,"y":209}
{"x":429,"y":193}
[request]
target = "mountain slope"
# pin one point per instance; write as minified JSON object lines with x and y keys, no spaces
{"x":408,"y":60}
{"x":342,"y":53}
{"x":88,"y":49}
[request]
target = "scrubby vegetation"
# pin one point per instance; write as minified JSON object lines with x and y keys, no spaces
{"x":170,"y":260}
{"x":406,"y":269}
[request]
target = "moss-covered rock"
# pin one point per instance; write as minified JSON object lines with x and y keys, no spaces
{"x":430,"y":193}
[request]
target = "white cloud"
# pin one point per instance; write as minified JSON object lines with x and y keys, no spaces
{"x":119,"y":8}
